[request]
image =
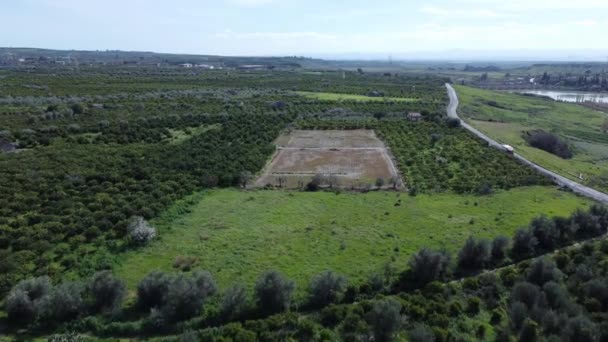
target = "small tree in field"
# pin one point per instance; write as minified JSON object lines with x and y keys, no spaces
{"x":379,"y":182}
{"x":326,"y":288}
{"x":273,"y":292}
{"x":140,"y":231}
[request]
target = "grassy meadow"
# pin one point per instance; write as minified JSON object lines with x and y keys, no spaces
{"x":237,"y":235}
{"x":505,"y":116}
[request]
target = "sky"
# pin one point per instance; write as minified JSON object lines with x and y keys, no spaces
{"x":305,"y":28}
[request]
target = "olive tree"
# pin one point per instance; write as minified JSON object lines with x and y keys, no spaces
{"x":273,"y":292}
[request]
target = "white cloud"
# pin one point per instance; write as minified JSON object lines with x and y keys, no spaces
{"x":474,"y":13}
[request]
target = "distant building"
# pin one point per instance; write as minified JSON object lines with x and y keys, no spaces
{"x":7,"y":146}
{"x":186,"y":65}
{"x":414,"y":116}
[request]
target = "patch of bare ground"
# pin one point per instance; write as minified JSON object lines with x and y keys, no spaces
{"x":354,"y":159}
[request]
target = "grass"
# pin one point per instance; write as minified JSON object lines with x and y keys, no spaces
{"x":237,"y":235}
{"x":506,"y":116}
{"x":179,"y":136}
{"x":351,"y":97}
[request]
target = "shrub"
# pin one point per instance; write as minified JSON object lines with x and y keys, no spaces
{"x":105,"y":292}
{"x":152,"y":290}
{"x":326,"y":288}
{"x":518,"y":313}
{"x":385,"y":319}
{"x":67,"y":337}
{"x":452,"y":122}
{"x":549,"y":142}
{"x":273,"y":292}
{"x":140,"y":232}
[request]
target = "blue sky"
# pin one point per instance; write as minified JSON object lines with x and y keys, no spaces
{"x":312,"y":27}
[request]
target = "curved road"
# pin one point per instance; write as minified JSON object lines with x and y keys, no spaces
{"x":560,"y":180}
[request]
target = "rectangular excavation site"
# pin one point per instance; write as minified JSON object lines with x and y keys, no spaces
{"x":342,"y":158}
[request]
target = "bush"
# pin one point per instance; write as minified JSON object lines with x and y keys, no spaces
{"x":273,"y":292}
{"x":152,"y":290}
{"x":525,"y":293}
{"x":549,"y":142}
{"x":545,"y":232}
{"x":580,"y":329}
{"x":105,"y":292}
{"x":385,"y":319}
{"x":140,"y":231}
{"x":326,"y":288}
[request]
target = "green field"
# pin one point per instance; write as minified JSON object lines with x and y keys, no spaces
{"x":506,"y":116}
{"x":237,"y":235}
{"x":351,"y":97}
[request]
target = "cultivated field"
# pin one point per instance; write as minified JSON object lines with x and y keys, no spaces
{"x":237,"y":235}
{"x":349,"y":158}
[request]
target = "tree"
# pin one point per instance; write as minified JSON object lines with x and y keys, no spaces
{"x":385,"y":319}
{"x":499,"y":248}
{"x":273,"y":292}
{"x":65,"y":302}
{"x":244,"y":178}
{"x":140,"y":231}
{"x":545,"y":232}
{"x":474,"y":255}
{"x":524,"y":244}
{"x":421,"y":333}
{"x":235,"y":302}
{"x":326,"y":288}
{"x":427,"y":266}
{"x":23,"y":302}
{"x":152,"y":290}
{"x":543,"y":270}
{"x":105,"y":292}
{"x":379,"y":182}
{"x":580,"y":329}
{"x":186,"y":296}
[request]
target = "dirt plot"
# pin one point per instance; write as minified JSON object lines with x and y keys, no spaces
{"x":349,"y":158}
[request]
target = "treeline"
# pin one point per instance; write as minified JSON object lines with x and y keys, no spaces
{"x":540,"y":303}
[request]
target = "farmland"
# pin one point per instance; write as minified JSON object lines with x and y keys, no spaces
{"x":121,"y":171}
{"x":506,"y":117}
{"x":353,"y":159}
{"x":237,"y":235}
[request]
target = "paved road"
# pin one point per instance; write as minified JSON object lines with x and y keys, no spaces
{"x":560,"y":180}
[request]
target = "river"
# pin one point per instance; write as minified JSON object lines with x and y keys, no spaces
{"x":570,"y":96}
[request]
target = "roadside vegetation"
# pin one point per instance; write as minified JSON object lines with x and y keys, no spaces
{"x":569,"y":130}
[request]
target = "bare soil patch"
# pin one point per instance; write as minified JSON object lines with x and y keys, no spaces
{"x":347,"y":159}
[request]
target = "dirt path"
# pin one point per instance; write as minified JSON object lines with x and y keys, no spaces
{"x":558,"y":179}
